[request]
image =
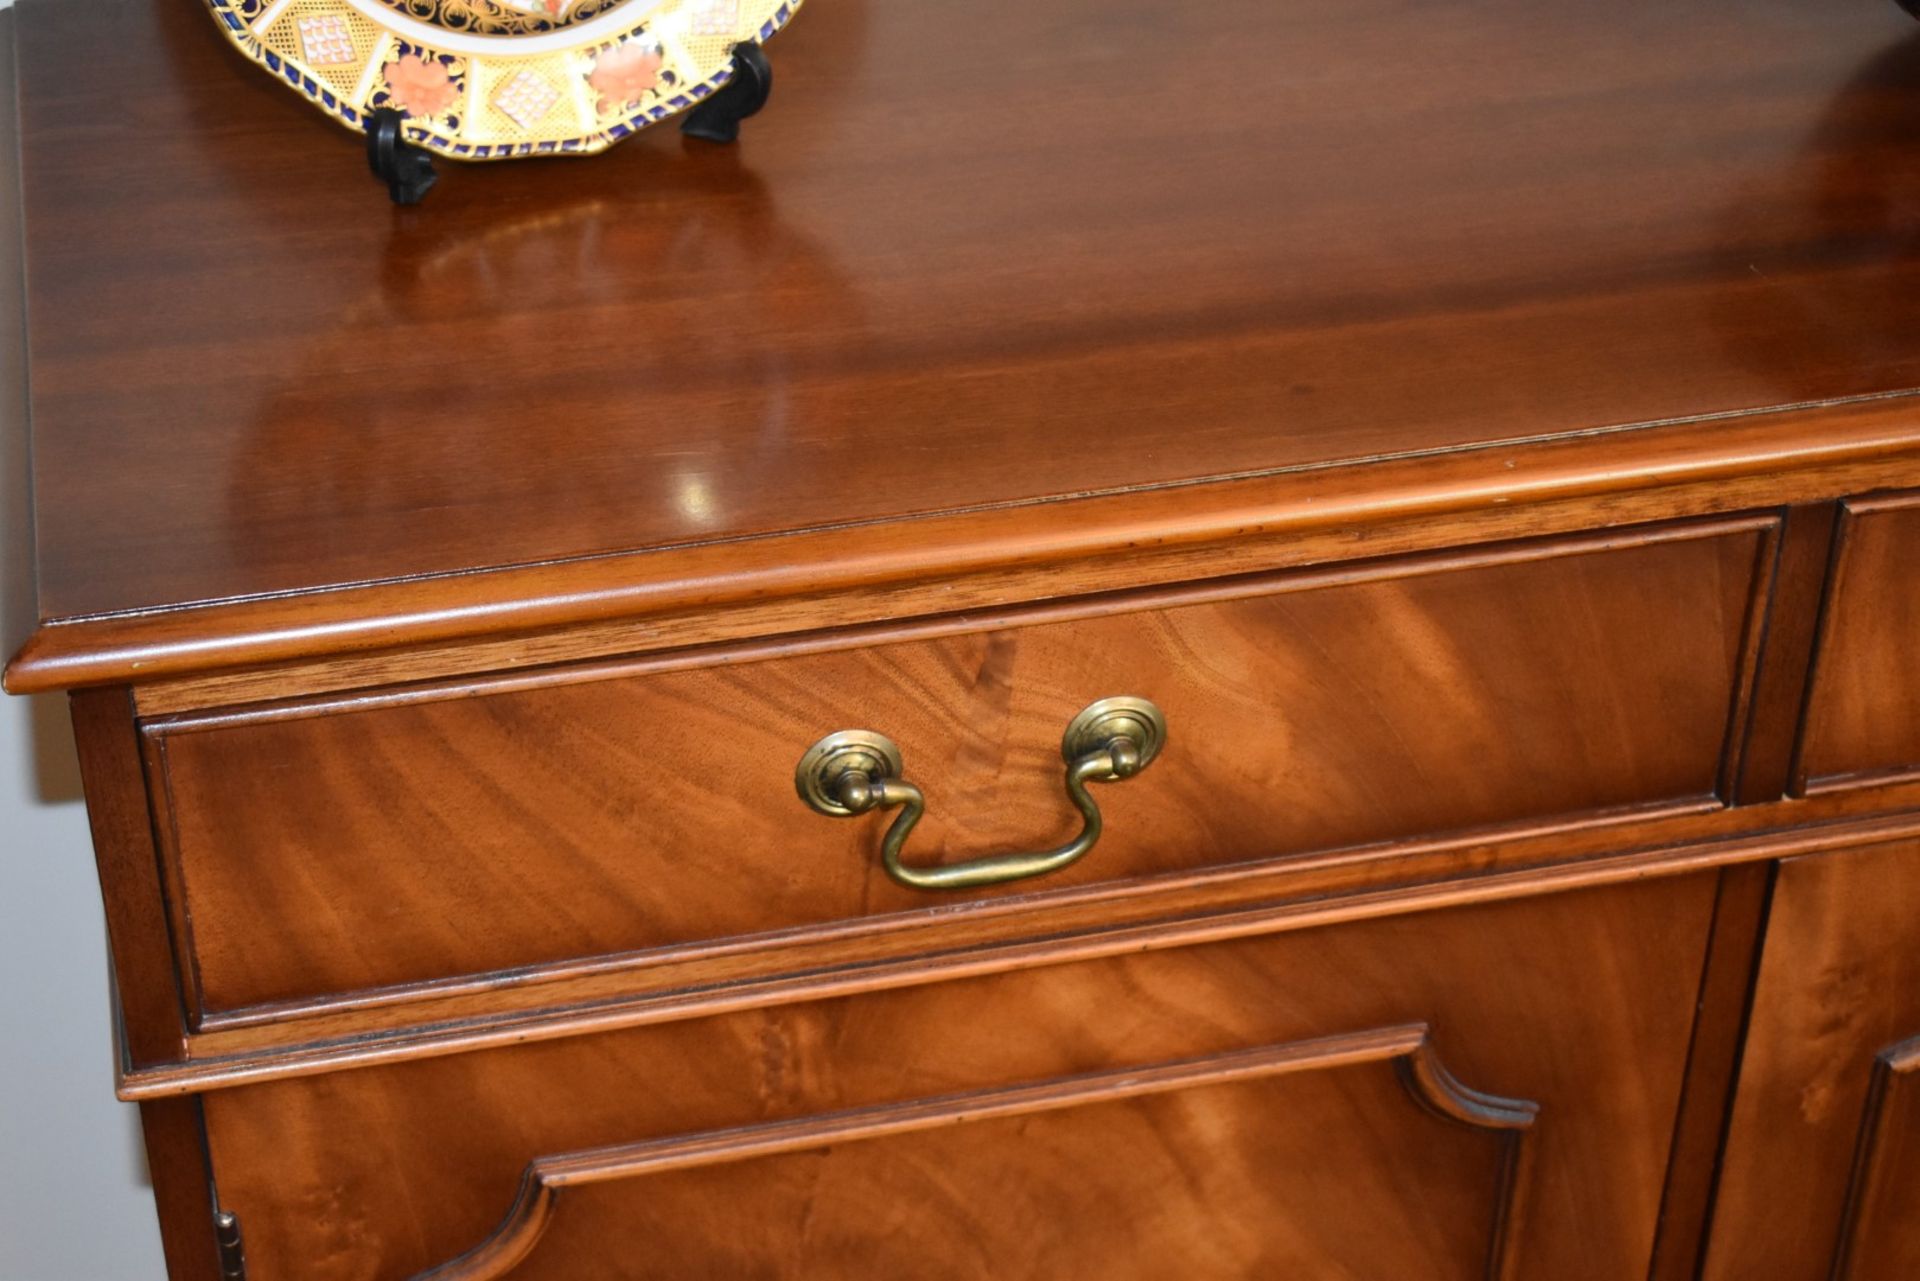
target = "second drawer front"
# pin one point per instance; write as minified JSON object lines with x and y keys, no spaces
{"x":380,"y":844}
{"x":1863,"y":722}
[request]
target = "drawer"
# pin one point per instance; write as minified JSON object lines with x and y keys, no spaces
{"x":1863,"y":721}
{"x":1486,"y":1091}
{"x":359,"y":844}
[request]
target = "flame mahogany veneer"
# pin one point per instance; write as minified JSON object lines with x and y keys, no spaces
{"x":1489,"y":431}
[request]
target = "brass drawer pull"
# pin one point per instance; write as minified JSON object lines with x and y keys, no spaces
{"x":857,"y":771}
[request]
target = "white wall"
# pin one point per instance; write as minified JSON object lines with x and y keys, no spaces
{"x":74,"y":1202}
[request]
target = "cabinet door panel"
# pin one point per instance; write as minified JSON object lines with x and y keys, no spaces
{"x":1821,"y":1177}
{"x":1322,"y":1163}
{"x":1355,"y":1156}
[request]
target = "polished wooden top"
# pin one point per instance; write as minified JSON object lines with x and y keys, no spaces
{"x":974,"y":257}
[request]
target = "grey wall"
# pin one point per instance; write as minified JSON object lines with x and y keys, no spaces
{"x":74,"y":1202}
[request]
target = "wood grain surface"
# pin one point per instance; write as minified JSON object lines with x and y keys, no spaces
{"x":425,"y":839}
{"x":578,"y":998}
{"x":1880,"y":1233}
{"x":174,"y":1135}
{"x":1490,"y":430}
{"x":150,"y":1016}
{"x":1864,"y":717}
{"x":1838,"y":993}
{"x":1582,"y":1003}
{"x":19,"y":613}
{"x":940,"y":569}
{"x":1788,"y":639}
{"x":972,"y":281}
{"x":1219,"y":1179}
{"x":1726,"y":989}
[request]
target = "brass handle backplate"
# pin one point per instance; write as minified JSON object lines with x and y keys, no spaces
{"x":854,"y":772}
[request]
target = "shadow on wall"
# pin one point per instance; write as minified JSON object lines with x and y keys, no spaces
{"x":54,"y":770}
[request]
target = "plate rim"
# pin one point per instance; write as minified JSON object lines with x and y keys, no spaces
{"x":248,"y":37}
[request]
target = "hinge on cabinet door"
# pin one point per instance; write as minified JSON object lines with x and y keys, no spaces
{"x":233,"y":1255}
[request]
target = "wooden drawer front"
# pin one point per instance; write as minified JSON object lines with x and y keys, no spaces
{"x":396,"y":841}
{"x":1464,"y":1094}
{"x":1821,"y":1177}
{"x":1864,"y":718}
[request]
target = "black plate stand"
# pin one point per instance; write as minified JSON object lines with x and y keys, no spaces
{"x":409,"y":173}
{"x":745,"y":93}
{"x":406,"y":169}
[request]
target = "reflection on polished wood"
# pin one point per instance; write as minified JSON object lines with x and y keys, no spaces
{"x":1409,"y":228}
{"x":1490,"y":431}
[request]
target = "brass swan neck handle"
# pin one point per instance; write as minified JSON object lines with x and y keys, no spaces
{"x":856,"y":772}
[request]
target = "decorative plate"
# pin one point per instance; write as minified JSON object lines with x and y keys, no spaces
{"x":489,"y":79}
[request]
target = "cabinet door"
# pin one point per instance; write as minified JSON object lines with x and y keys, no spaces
{"x":1821,"y":1179}
{"x":1476,"y":1092}
{"x":1190,"y":1168}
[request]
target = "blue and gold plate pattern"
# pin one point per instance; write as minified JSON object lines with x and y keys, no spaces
{"x":490,"y":79}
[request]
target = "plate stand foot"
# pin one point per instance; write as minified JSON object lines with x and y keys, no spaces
{"x":718,"y":118}
{"x":406,"y":169}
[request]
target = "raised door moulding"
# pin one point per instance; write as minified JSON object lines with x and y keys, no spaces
{"x":1881,"y":1228}
{"x":1408,"y":1050}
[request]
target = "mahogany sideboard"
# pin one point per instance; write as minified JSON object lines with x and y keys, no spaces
{"x":1377,"y":541}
